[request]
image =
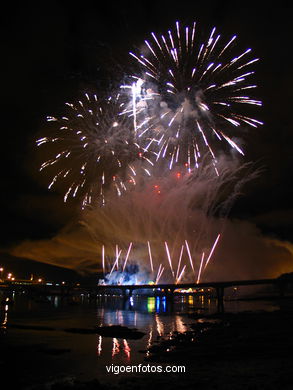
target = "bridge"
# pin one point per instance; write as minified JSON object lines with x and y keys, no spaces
{"x":169,"y":290}
{"x":218,"y":287}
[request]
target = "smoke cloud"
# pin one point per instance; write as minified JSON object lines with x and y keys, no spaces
{"x":161,"y":216}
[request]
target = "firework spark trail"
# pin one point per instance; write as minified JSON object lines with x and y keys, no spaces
{"x":134,"y":106}
{"x":150,"y":256}
{"x":159,"y":273}
{"x":127,"y":255}
{"x":116,"y":256}
{"x":212,"y":251}
{"x":189,"y":256}
{"x":103,"y":259}
{"x":169,"y":258}
{"x":200,"y":268}
{"x":181,"y":274}
{"x":179,"y":262}
{"x":115,"y":262}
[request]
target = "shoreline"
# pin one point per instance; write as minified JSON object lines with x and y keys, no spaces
{"x":245,"y":350}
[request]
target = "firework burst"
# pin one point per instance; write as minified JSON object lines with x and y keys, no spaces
{"x":94,"y":149}
{"x":190,"y":95}
{"x":187,"y":98}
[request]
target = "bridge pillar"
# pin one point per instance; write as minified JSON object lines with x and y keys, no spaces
{"x":127,"y":293}
{"x":171,"y":294}
{"x":220,"y":299}
{"x":282,"y":285}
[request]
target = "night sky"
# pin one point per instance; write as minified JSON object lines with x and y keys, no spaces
{"x":51,"y":52}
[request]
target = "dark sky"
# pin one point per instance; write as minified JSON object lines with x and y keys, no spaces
{"x":52,"y":51}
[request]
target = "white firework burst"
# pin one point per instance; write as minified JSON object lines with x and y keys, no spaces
{"x":94,"y":148}
{"x":189,"y":95}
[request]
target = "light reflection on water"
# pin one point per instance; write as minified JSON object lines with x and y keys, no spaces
{"x":152,"y":315}
{"x":89,"y":353}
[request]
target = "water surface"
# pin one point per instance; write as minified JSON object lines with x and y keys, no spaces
{"x":56,"y":353}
